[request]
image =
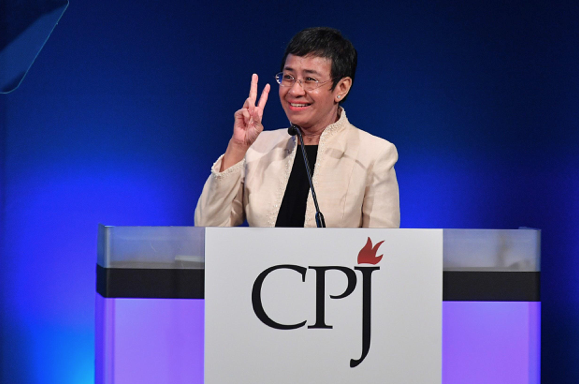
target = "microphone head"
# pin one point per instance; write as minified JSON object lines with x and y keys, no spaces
{"x":293,"y":130}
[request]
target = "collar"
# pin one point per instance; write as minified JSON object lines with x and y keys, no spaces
{"x":335,"y":128}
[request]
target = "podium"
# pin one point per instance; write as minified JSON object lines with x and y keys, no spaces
{"x":150,"y":309}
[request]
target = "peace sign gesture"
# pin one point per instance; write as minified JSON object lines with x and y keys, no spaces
{"x":247,"y":124}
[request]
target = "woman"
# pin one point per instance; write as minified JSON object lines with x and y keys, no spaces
{"x":260,"y":178}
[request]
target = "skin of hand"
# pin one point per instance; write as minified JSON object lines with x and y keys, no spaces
{"x":247,"y":125}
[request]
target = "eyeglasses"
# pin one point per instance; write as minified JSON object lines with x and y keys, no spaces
{"x":308,"y":84}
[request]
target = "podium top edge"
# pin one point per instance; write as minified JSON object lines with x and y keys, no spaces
{"x":183,"y":247}
{"x":520,"y":229}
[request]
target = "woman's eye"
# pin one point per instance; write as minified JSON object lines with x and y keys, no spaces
{"x":310,"y":80}
{"x":288,"y":77}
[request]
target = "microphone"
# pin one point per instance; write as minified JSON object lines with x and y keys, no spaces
{"x":294,"y":130}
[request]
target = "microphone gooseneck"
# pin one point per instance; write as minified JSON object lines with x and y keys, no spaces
{"x":294,"y":130}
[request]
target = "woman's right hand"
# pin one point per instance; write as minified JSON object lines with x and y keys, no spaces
{"x":247,"y":125}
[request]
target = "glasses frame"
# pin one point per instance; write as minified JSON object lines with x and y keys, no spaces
{"x":279,"y":79}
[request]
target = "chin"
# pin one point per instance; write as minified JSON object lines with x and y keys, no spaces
{"x":297,"y":119}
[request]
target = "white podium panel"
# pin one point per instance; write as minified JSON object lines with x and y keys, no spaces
{"x":331,"y":306}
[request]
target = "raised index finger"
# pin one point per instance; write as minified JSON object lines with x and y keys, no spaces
{"x":263,"y":98}
{"x":253,"y":90}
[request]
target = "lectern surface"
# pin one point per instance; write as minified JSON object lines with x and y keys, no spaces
{"x":150,"y":307}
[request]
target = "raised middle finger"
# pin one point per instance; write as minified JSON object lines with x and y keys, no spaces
{"x":253,"y":90}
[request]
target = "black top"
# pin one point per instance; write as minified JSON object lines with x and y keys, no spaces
{"x":292,"y":212}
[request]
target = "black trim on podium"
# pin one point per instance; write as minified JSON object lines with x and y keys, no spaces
{"x":151,"y":283}
{"x":190,"y":284}
{"x":491,"y":286}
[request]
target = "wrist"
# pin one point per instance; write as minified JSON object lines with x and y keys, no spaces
{"x":234,"y":154}
{"x":238,"y":146}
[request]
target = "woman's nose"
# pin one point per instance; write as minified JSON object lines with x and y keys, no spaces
{"x":297,"y":88}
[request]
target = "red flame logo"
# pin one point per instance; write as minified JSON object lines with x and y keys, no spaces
{"x":367,"y":254}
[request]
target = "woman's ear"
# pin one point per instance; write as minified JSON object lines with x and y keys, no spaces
{"x":342,"y":89}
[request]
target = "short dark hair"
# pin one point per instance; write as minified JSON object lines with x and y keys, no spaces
{"x":330,"y":44}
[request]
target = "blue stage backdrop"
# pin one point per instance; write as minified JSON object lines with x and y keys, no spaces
{"x":131,"y":101}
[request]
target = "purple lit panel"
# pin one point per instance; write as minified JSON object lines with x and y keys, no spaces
{"x":149,"y":341}
{"x":491,"y":342}
{"x":161,"y":341}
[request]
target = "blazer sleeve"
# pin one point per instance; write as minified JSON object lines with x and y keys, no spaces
{"x":381,"y":206}
{"x":221,"y":202}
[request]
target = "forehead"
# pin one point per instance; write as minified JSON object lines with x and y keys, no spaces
{"x":308,"y":64}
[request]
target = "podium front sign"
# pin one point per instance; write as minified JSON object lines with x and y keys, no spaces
{"x":323,"y":306}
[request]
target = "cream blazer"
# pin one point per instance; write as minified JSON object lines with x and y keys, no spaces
{"x":354,"y":179}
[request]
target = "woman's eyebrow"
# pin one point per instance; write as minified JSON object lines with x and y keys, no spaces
{"x":308,"y":71}
{"x":311,"y":71}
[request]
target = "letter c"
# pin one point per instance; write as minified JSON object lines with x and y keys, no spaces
{"x":256,"y":296}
